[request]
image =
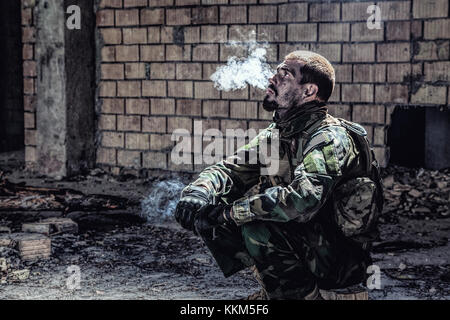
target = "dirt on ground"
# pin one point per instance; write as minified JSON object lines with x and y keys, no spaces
{"x":122,"y":253}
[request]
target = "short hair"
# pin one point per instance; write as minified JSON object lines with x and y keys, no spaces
{"x":316,"y":69}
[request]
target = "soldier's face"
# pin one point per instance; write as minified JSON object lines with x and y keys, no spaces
{"x":284,"y":89}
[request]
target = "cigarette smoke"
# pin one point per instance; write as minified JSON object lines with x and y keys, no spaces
{"x":240,"y":72}
{"x":161,"y":202}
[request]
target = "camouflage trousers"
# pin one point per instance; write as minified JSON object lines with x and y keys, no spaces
{"x":292,"y":258}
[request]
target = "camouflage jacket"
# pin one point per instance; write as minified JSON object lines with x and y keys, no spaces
{"x":315,"y":153}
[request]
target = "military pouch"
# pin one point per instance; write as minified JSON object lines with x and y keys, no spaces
{"x":355,"y":207}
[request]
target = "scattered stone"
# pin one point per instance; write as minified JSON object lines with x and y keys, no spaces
{"x":20,"y":275}
{"x":31,"y":246}
{"x":51,"y":226}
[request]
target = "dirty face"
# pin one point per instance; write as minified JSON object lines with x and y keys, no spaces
{"x":285,"y":90}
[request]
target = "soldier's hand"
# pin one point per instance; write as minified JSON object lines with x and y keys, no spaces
{"x":212,"y":216}
{"x":187,"y":210}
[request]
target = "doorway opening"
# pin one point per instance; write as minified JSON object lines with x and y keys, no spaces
{"x":11,"y":83}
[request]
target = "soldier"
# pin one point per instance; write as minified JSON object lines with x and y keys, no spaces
{"x":309,"y":226}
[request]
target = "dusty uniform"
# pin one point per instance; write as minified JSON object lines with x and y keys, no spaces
{"x":286,"y":223}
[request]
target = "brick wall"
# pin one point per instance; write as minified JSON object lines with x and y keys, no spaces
{"x":156,"y":57}
{"x":29,"y":79}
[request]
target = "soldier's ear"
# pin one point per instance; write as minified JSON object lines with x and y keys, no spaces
{"x":311,"y":90}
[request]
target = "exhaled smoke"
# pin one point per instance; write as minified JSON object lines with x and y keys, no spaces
{"x":160,"y":204}
{"x":240,"y":72}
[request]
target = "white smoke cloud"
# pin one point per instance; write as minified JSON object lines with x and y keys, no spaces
{"x":162,"y":200}
{"x":240,"y":72}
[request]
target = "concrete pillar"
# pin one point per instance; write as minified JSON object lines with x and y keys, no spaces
{"x":437,"y":138}
{"x":65,"y":89}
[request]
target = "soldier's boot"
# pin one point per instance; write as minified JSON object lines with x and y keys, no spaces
{"x":261,"y":294}
{"x":356,"y":292}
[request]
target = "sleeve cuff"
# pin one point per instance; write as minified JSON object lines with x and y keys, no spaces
{"x":241,"y":211}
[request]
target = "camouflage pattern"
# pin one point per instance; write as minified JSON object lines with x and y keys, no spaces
{"x":285,"y":224}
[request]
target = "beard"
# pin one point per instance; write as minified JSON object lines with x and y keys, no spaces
{"x":269,"y":105}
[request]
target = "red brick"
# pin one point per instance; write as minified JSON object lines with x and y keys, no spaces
{"x":437,"y":29}
{"x":152,"y":53}
{"x":227,"y":51}
{"x":111,"y":4}
{"x":430,"y":8}
{"x":127,"y":53}
{"x":331,"y":51}
{"x":357,"y":93}
{"x":29,"y":68}
{"x":134,"y":35}
{"x":174,"y":123}
{"x":106,"y":156}
{"x":262,"y":14}
{"x":29,"y":103}
{"x":129,"y":88}
{"x":302,"y":32}
{"x":29,"y":120}
{"x":360,"y":32}
{"x":398,"y":72}
{"x":368,"y":114}
{"x":324,"y":12}
{"x":217,"y":108}
{"x":392,"y":93}
{"x":162,"y":106}
{"x":271,"y":33}
{"x":431,"y":50}
{"x":188,"y":71}
{"x":108,"y":89}
{"x":362,"y":52}
{"x":206,"y":52}
{"x":137,"y":141}
{"x":154,"y":160}
{"x":27,"y":16}
{"x":355,"y":11}
{"x":293,"y":12}
{"x":28,"y":35}
{"x":343,"y":72}
{"x":242,"y":33}
{"x":135,"y":71}
{"x":178,"y":53}
{"x":398,"y":30}
{"x":108,"y":54}
{"x":27,"y":52}
{"x":206,"y":90}
{"x":241,"y":94}
{"x":128,"y":123}
{"x":285,"y":49}
{"x":188,"y":107}
{"x":154,"y":35}
{"x":178,"y":16}
{"x":134,"y":3}
{"x":333,"y":32}
{"x":340,"y":111}
{"x":30,"y":155}
{"x":154,"y":124}
{"x":113,"y":106}
{"x":138,"y":106}
{"x":130,"y":159}
{"x":111,"y":36}
{"x":180,"y":89}
{"x":394,"y":10}
{"x":105,"y":18}
{"x":162,"y":71}
{"x":369,"y":73}
{"x":112,"y":71}
{"x":234,"y":14}
{"x":127,"y":17}
{"x":214,"y":34}
{"x":428,"y":94}
{"x":437,"y":71}
{"x":113,"y":139}
{"x":244,"y":110}
{"x":107,"y":122}
{"x":152,"y":16}
{"x":393,"y":52}
{"x":205,"y":15}
{"x":154,"y":88}
{"x":160,"y":3}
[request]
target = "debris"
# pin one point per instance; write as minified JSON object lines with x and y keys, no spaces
{"x":31,"y":246}
{"x":20,"y":275}
{"x":51,"y":226}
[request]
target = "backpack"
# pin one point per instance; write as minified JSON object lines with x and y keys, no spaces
{"x":357,"y":200}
